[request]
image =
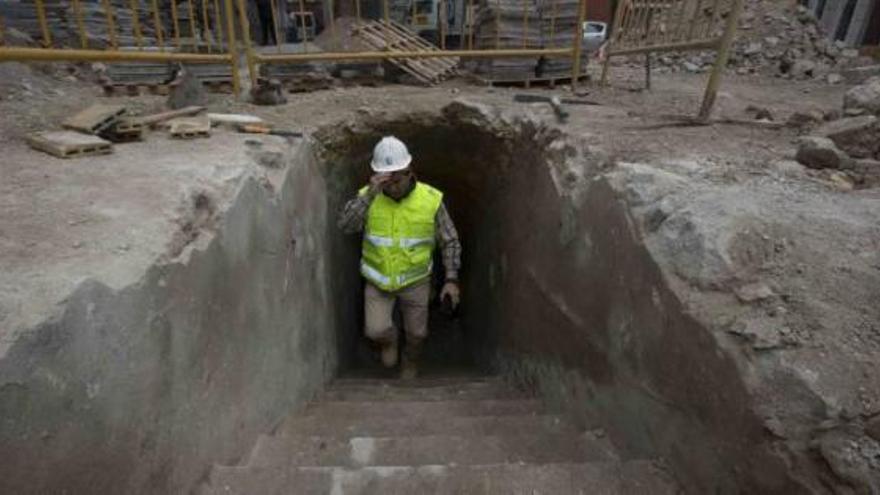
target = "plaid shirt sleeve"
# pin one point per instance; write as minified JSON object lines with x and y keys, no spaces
{"x":450,"y":245}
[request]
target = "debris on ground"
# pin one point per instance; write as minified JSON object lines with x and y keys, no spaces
{"x":820,"y":152}
{"x":186,"y":91}
{"x":864,"y":97}
{"x":268,"y":92}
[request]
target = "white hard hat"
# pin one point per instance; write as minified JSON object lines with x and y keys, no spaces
{"x":390,"y":155}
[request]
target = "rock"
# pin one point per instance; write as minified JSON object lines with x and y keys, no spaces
{"x":16,"y":37}
{"x":803,"y":69}
{"x":760,"y":334}
{"x":854,"y":112}
{"x":772,"y":41}
{"x":754,"y":292}
{"x":872,"y":428}
{"x":865,"y":96}
{"x":866,"y":172}
{"x":186,"y":91}
{"x":759,"y":113}
{"x":753,"y":49}
{"x":820,"y":152}
{"x":859,"y":136}
{"x":860,"y":75}
{"x":834,"y":78}
{"x":849,"y":53}
{"x":268,"y":92}
{"x":691,"y":67}
{"x":841,"y":181}
{"x":803,"y":120}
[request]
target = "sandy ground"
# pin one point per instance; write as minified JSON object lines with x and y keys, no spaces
{"x":109,"y":217}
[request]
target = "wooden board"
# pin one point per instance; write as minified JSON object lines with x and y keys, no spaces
{"x":190,"y":127}
{"x":95,"y":118}
{"x":69,"y":144}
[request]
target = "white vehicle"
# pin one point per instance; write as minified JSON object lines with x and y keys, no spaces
{"x":595,"y":34}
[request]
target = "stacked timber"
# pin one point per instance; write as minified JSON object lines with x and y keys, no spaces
{"x":558,"y":30}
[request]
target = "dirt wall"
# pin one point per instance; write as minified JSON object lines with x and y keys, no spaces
{"x":140,"y":390}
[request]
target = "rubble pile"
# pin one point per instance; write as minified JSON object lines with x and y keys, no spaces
{"x":774,"y":39}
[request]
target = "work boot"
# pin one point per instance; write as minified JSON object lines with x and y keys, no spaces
{"x":389,"y":354}
{"x":409,"y":369}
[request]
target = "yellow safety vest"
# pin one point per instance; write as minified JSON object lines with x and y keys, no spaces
{"x":399,"y":238}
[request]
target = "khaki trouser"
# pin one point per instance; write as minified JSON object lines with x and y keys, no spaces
{"x":379,"y":305}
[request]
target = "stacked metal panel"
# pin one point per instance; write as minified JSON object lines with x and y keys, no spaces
{"x":507,"y":24}
{"x":558,"y":30}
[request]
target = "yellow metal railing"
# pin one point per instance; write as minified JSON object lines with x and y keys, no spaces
{"x":650,"y":26}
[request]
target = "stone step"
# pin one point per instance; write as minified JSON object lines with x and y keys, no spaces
{"x":595,"y":478}
{"x":385,"y":391}
{"x":535,"y":447}
{"x":378,"y":426}
{"x":348,"y":410}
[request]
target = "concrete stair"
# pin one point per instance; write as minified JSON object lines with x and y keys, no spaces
{"x":438,"y":436}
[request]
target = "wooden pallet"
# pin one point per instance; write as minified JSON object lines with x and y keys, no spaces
{"x":527,"y":82}
{"x":125,"y":131}
{"x":95,"y":119}
{"x":136,"y":89}
{"x":190,"y":127}
{"x":69,"y":144}
{"x":380,"y":36}
{"x":218,"y":86}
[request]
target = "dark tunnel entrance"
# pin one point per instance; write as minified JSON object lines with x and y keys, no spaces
{"x":481,"y":172}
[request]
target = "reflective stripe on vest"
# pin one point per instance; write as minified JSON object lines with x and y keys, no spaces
{"x":399,"y":238}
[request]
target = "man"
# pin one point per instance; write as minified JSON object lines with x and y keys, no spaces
{"x":402,"y":219}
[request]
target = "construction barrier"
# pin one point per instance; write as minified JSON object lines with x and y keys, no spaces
{"x":101,"y":37}
{"x":649,"y":26}
{"x":201,"y":32}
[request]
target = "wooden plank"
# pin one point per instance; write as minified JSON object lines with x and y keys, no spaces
{"x":95,"y":118}
{"x":69,"y":144}
{"x":150,"y":120}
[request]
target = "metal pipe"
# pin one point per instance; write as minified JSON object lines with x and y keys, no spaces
{"x":136,"y":24}
{"x":44,"y":24}
{"x":578,"y":44}
{"x":273,"y":5}
{"x":111,"y":24}
{"x":192,"y":25}
{"x":80,"y":25}
{"x":379,"y":55}
{"x":248,"y":48}
{"x":444,"y":18}
{"x":23,"y":54}
{"x":724,"y":45}
{"x":233,"y":48}
{"x":157,"y":23}
{"x":175,"y":21}
{"x":670,"y":47}
{"x":218,"y":25}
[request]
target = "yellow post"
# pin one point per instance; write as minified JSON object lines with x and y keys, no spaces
{"x":136,"y":24}
{"x":578,"y":44}
{"x":386,"y":13}
{"x":470,"y":18}
{"x":111,"y":24}
{"x":233,"y":50}
{"x":444,"y":16}
{"x":720,"y":60}
{"x":80,"y":26}
{"x":333,"y":33}
{"x":44,"y":25}
{"x":218,"y":26}
{"x":175,"y":21}
{"x":157,"y":25}
{"x":498,"y":24}
{"x":248,"y":49}
{"x":192,"y":25}
{"x":615,"y":33}
{"x":208,"y":39}
{"x":274,"y":6}
{"x":525,"y":34}
{"x":305,"y":34}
